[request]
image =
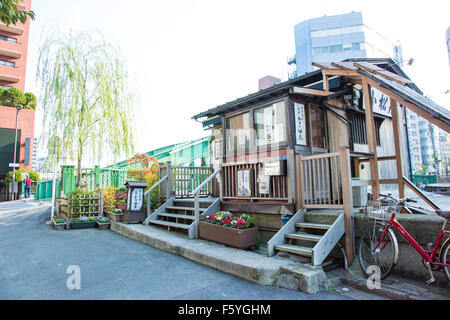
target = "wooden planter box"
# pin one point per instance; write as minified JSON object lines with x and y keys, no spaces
{"x":103,"y":226}
{"x":117,"y":217}
{"x":59,"y":226}
{"x":134,"y":217}
{"x":122,"y":207}
{"x":236,"y":238}
{"x":83,"y":225}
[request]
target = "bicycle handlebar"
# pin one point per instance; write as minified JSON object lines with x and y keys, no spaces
{"x":397,"y":200}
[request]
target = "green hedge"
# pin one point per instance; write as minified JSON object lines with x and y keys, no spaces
{"x":13,"y":97}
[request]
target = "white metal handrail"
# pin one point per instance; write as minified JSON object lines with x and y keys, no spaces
{"x":196,"y":193}
{"x":147,"y":193}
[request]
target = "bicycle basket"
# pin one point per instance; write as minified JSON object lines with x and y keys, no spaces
{"x":380,"y":210}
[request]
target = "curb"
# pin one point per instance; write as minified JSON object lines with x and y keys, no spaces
{"x":246,"y":265}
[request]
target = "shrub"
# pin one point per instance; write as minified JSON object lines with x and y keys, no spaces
{"x":109,"y":197}
{"x":13,"y":97}
{"x":18,"y":176}
{"x":148,"y":173}
{"x":34,"y":175}
{"x":30,"y":101}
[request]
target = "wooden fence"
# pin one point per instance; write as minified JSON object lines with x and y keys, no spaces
{"x":278,"y":185}
{"x":320,"y":181}
{"x":184,"y":180}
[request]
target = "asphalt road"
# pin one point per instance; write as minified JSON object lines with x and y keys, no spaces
{"x":34,"y":260}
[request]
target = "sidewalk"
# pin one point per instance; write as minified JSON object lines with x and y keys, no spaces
{"x":281,"y":272}
{"x":248,"y":265}
{"x":393,"y":287}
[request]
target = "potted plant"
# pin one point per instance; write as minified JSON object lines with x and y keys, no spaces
{"x":114,"y":214}
{"x":121,"y":204}
{"x":58,"y":223}
{"x":83,"y":223}
{"x":103,"y":223}
{"x":226,"y":229}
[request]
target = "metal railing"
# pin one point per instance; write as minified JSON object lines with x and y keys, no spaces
{"x":147,"y":193}
{"x":196,"y":194}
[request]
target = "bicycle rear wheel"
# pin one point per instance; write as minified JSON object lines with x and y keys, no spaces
{"x":384,"y":256}
{"x":445,"y":258}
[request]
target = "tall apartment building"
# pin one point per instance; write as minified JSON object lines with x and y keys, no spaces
{"x":336,"y":38}
{"x":415,"y":150}
{"x":13,"y":58}
{"x":447,"y":34}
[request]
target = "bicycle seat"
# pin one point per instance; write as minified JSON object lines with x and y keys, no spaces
{"x":444,"y":214}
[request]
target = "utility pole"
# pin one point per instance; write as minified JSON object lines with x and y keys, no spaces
{"x":13,"y":182}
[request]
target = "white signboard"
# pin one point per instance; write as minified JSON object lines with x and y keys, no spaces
{"x":268,"y":125}
{"x":300,"y":124}
{"x":136,"y":199}
{"x":263,"y":183}
{"x":243,"y":183}
{"x":381,"y":103}
{"x":13,"y":165}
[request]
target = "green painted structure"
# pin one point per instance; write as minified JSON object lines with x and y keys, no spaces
{"x":190,"y":153}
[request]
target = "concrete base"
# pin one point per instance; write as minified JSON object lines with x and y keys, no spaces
{"x":244,"y":264}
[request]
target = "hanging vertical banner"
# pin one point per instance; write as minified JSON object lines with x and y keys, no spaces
{"x":300,"y":124}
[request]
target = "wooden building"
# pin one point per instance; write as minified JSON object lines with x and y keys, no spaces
{"x":304,"y":144}
{"x":301,"y":143}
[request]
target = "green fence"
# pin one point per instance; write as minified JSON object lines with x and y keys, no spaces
{"x":44,"y":189}
{"x":424,"y":179}
{"x":90,"y":178}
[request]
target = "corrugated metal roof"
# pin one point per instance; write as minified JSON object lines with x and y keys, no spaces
{"x":411,"y":96}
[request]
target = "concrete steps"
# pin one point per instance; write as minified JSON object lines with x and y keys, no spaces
{"x":313,"y":240}
{"x":180,"y":213}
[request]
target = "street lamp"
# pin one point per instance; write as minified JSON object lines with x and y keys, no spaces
{"x":15,"y":150}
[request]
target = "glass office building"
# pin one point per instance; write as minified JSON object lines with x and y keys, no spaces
{"x":336,"y":38}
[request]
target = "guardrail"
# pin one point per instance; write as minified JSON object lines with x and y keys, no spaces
{"x":147,"y":193}
{"x":196,"y":194}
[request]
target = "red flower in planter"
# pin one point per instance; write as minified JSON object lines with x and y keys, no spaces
{"x":241,"y":222}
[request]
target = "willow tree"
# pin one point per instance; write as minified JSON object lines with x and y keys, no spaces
{"x":85,"y":97}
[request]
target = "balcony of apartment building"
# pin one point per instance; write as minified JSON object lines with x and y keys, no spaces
{"x":9,"y":71}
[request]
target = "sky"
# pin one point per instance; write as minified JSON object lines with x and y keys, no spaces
{"x":186,"y":56}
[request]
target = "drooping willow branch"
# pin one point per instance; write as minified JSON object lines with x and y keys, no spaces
{"x":85,"y":96}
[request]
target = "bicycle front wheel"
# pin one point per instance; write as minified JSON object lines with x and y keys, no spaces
{"x":445,"y":259}
{"x":384,"y":256}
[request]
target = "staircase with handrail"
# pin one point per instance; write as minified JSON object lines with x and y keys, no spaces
{"x":189,"y":195}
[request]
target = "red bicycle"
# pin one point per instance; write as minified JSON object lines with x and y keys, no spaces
{"x":379,"y":246}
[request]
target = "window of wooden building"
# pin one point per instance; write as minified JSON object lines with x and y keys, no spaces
{"x":358,"y":127}
{"x":310,"y":125}
{"x":238,"y":133}
{"x":318,"y":128}
{"x":270,"y":124}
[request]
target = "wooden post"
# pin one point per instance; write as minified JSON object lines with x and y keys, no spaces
{"x":371,"y":140}
{"x":169,"y":181}
{"x":221,"y":181}
{"x":291,"y":174}
{"x":301,"y":180}
{"x":396,"y":127}
{"x":197,"y":213}
{"x":347,"y":195}
{"x":326,"y":84}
